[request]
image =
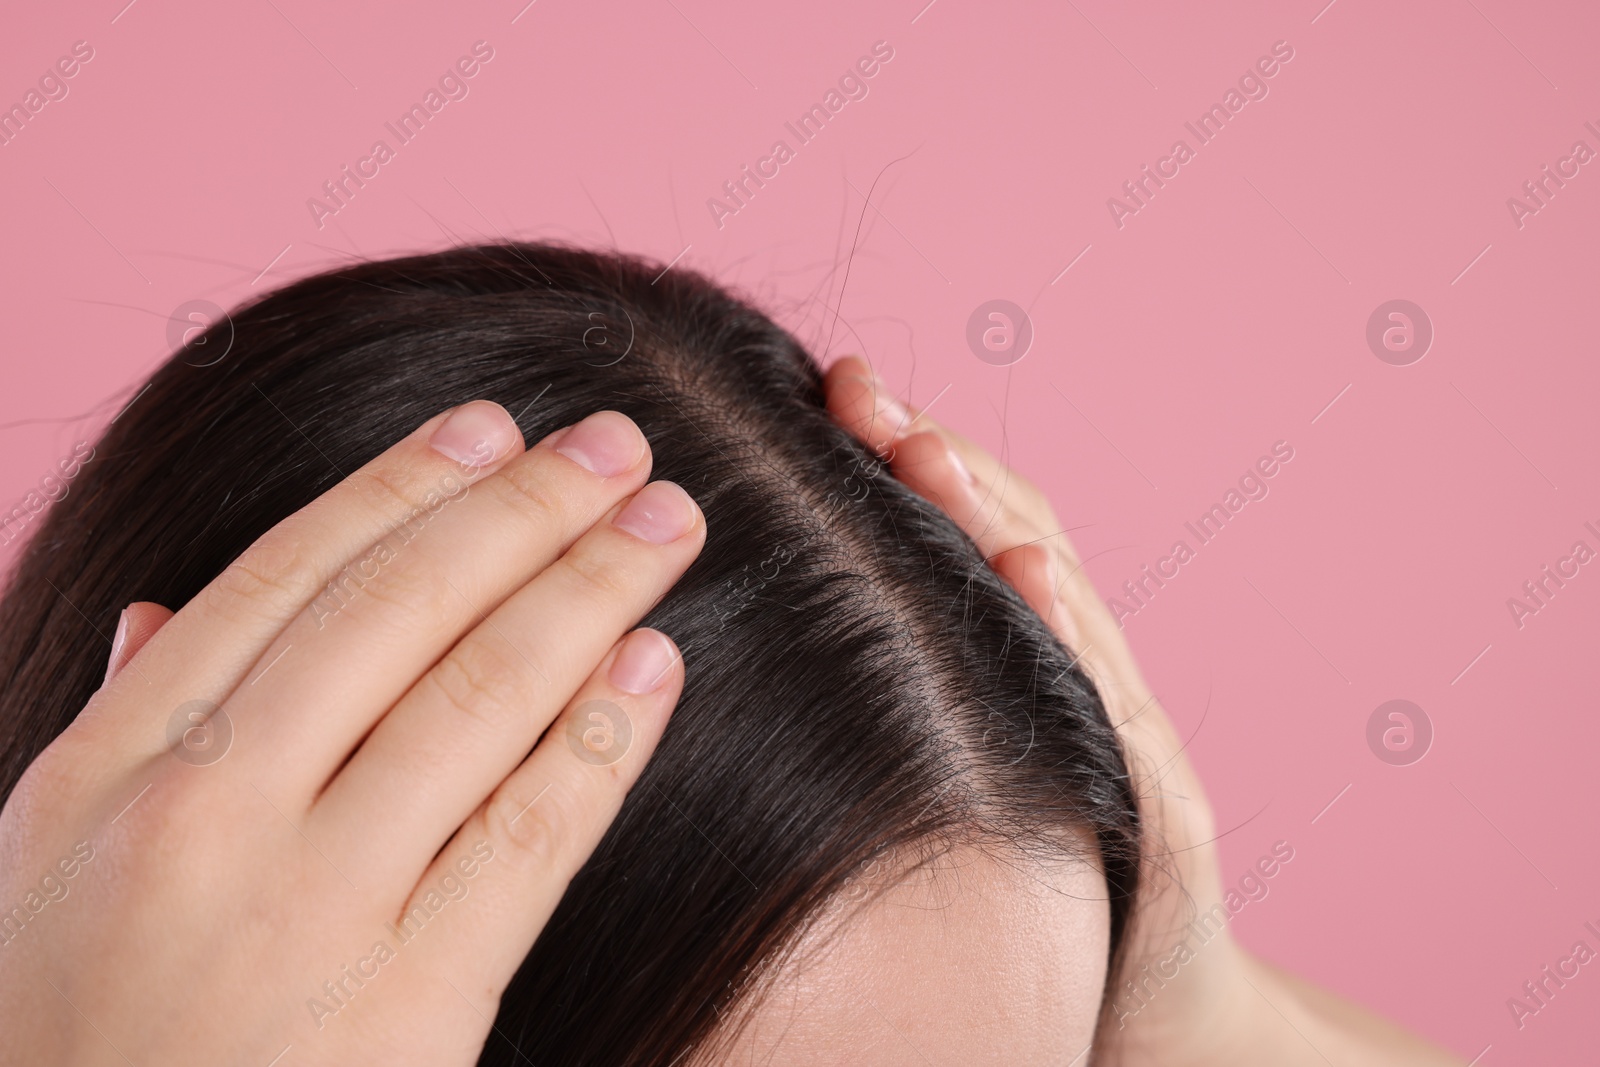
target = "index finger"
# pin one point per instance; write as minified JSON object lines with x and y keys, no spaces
{"x":213,"y":641}
{"x":861,"y":403}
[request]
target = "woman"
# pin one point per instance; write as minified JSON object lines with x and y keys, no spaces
{"x":378,"y":790}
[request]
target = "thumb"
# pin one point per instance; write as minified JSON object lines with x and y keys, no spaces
{"x":138,"y":624}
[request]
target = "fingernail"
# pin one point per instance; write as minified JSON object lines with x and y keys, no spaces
{"x":660,"y":513}
{"x":961,"y":468}
{"x":606,"y":443}
{"x":642,"y":662}
{"x":118,"y":640}
{"x":476,"y":434}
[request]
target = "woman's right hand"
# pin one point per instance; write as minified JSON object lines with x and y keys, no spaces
{"x":310,"y":818}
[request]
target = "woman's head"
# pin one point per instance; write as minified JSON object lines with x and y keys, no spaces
{"x":888,"y":813}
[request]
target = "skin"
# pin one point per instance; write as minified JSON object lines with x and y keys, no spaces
{"x":975,"y":958}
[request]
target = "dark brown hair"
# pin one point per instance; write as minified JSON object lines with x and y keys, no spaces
{"x":859,"y":680}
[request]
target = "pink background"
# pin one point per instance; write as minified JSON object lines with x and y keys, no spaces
{"x":1222,"y":317}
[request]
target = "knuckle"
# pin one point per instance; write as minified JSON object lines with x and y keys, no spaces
{"x":482,"y":685}
{"x":537,"y":824}
{"x":596,"y":576}
{"x":410,"y":587}
{"x":269,"y":578}
{"x":524,"y":489}
{"x":385,"y":490}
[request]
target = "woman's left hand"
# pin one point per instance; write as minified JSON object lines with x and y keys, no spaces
{"x":1182,"y":999}
{"x":1016,"y":529}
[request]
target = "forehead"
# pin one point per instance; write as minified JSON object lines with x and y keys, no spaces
{"x":969,"y":960}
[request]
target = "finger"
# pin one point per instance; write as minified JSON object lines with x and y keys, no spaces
{"x":998,"y":509}
{"x":135,"y":627}
{"x":1018,"y":551}
{"x":861,"y":403}
{"x":927,"y":464}
{"x":1103,"y":647}
{"x":1038,"y":563}
{"x":342,"y":664}
{"x":863,"y":406}
{"x":472,"y":718}
{"x":527,"y":841}
{"x":1034,"y":571}
{"x":216,"y":639}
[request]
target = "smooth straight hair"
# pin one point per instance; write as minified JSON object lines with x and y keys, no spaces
{"x":860,"y":683}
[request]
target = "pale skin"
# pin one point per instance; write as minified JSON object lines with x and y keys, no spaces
{"x":975,"y":958}
{"x":381,"y":753}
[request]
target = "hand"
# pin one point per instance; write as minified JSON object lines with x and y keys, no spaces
{"x":1196,"y":998}
{"x":1016,"y":529}
{"x":313,"y":808}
